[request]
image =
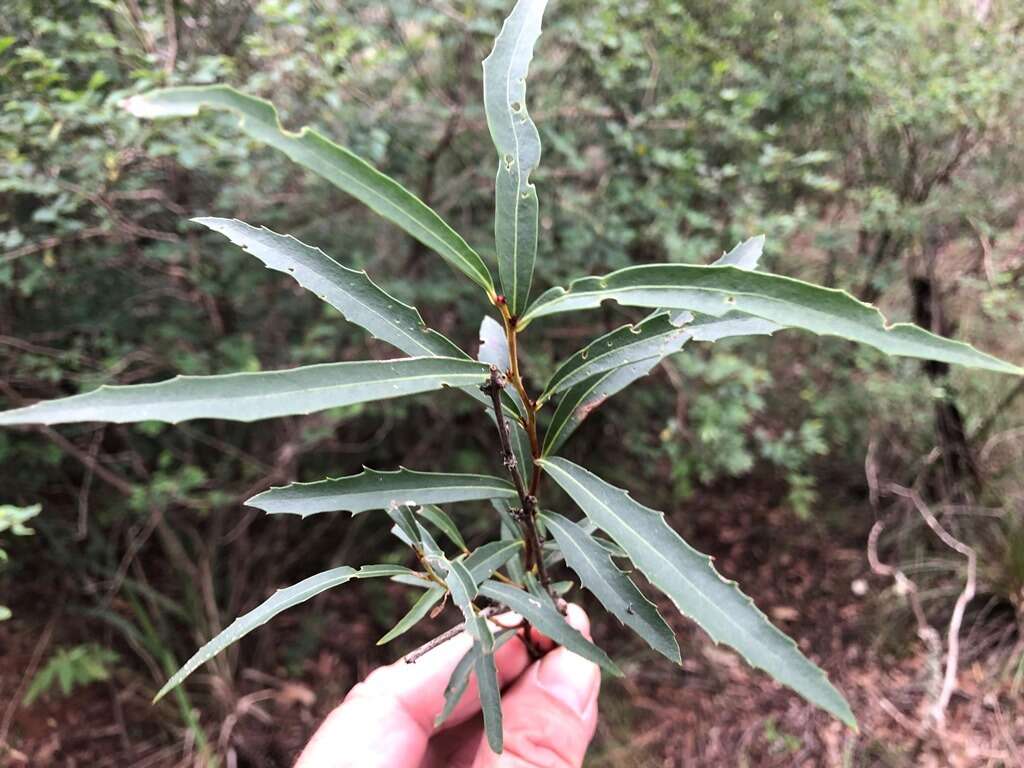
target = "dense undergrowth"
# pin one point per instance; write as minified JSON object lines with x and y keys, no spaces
{"x":875,"y":145}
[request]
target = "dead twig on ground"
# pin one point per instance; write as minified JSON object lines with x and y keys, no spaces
{"x":938,"y":708}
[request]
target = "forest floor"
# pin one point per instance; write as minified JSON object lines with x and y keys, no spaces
{"x":813,"y":581}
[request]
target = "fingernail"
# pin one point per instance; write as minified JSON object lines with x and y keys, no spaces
{"x":569,"y":678}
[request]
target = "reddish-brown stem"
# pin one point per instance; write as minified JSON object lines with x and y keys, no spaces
{"x":527,"y":495}
{"x":527,"y":514}
{"x":512,"y":336}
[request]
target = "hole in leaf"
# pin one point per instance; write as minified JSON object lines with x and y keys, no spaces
{"x":516,"y":106}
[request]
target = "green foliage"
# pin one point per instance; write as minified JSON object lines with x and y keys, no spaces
{"x":695,"y":587}
{"x":349,"y":291}
{"x":71,"y":668}
{"x":518,"y":143}
{"x":347,"y":171}
{"x":382,"y":490}
{"x":789,"y":303}
{"x":254,"y":396}
{"x":13,"y":519}
{"x":599,"y":574}
{"x":265,"y":611}
{"x":721,"y":137}
{"x":725,"y":397}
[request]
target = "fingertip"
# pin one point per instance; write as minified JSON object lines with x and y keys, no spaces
{"x":569,"y":678}
{"x":578,"y":619}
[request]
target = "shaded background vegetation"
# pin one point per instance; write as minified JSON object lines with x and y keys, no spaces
{"x":875,"y":143}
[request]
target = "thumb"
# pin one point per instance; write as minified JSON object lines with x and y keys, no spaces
{"x":549,"y":714}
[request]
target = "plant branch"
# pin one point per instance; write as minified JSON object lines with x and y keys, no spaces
{"x":528,"y":514}
{"x":938,"y":708}
{"x":512,"y":337}
{"x":508,"y":457}
{"x":413,"y":656}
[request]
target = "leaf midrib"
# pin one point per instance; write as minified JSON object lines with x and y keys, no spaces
{"x":289,"y":393}
{"x":551,"y":438}
{"x":330,"y":494}
{"x":600,"y":379}
{"x":301,"y":135}
{"x":560,"y":384}
{"x":506,"y":110}
{"x":424,"y":328}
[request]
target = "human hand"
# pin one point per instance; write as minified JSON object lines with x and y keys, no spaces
{"x":549,"y":709}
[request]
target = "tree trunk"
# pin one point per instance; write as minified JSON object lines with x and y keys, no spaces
{"x":959,"y":477}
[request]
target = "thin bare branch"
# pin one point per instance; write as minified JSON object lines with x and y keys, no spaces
{"x":527,"y":515}
{"x":938,"y":708}
{"x":413,"y":656}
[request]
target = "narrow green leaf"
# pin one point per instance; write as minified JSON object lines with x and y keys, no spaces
{"x":612,"y":587}
{"x":281,"y":600}
{"x":371,"y":489}
{"x":431,"y":549}
{"x":743,"y":256}
{"x":543,"y":615}
{"x":493,"y":344}
{"x":520,"y":445}
{"x":259,"y":120}
{"x":441,"y":520}
{"x":610,"y":547}
{"x":729,"y":325}
{"x":405,"y":522}
{"x":254,"y":396}
{"x":587,"y":526}
{"x":699,"y":592}
{"x":490,"y":697}
{"x":510,"y":532}
{"x":383,"y":570}
{"x":462,"y":585}
{"x":518,"y":144}
{"x":584,"y":398}
{"x":493,"y":350}
{"x":463,"y":590}
{"x":459,"y":680}
{"x":561,"y":588}
{"x":487,"y":558}
{"x":399,"y":532}
{"x":659,"y":335}
{"x":534,"y":587}
{"x":412,"y":581}
{"x":350,"y":291}
{"x":791,"y":303}
{"x":426,"y":543}
{"x":419,"y":609}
